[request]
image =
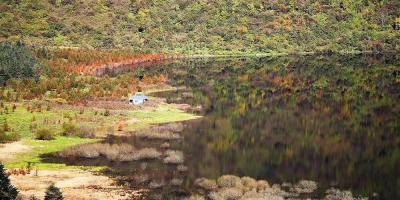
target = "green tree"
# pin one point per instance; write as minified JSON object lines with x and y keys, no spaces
{"x":7,"y":191}
{"x":53,"y":193}
{"x":17,"y":61}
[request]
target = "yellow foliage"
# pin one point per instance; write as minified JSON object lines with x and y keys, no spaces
{"x":244,"y":77}
{"x":243,"y":29}
{"x":318,"y":6}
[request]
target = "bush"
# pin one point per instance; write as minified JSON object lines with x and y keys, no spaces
{"x":53,"y":193}
{"x":123,"y":152}
{"x":335,"y":194}
{"x":174,"y":157}
{"x":182,"y":168}
{"x":248,"y":182}
{"x":262,"y":185}
{"x":176,"y":181}
{"x":156,"y":184}
{"x":154,"y":135}
{"x":86,"y":131}
{"x":11,"y":137}
{"x":228,"y":181}
{"x":7,"y":191}
{"x":44,"y":134}
{"x":226,"y":193}
{"x":305,"y":186}
{"x":69,"y":129}
{"x":206,"y":184}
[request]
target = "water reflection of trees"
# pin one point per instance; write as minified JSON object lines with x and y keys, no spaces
{"x":325,"y":118}
{"x":330,"y":119}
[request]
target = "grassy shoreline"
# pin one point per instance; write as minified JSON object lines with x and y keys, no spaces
{"x":135,"y":118}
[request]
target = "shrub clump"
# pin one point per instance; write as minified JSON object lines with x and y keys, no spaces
{"x":147,"y":153}
{"x":154,"y":135}
{"x":171,"y":127}
{"x":11,"y":137}
{"x":143,"y":178}
{"x":228,"y":181}
{"x":248,"y":182}
{"x":111,"y":152}
{"x":335,"y":194}
{"x":226,"y":193}
{"x":305,"y":186}
{"x":156,"y":184}
{"x":176,"y":181}
{"x":86,"y":131}
{"x":173,"y":157}
{"x":195,"y":197}
{"x":44,"y":134}
{"x":262,"y":185}
{"x":253,"y":195}
{"x":69,"y":129}
{"x":207,"y":184}
{"x":182,"y":168}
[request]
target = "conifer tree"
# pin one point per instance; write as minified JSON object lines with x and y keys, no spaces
{"x":53,"y":193}
{"x":7,"y":191}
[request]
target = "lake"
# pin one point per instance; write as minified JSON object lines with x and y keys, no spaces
{"x":332,"y":119}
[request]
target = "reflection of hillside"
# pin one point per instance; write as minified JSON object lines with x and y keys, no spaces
{"x":321,"y":119}
{"x":324,"y":118}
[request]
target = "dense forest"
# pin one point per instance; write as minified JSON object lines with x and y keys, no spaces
{"x":206,"y":26}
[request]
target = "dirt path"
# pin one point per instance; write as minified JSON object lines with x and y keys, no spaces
{"x":10,"y":150}
{"x":74,"y":184}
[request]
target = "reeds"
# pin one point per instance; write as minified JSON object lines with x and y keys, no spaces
{"x":173,"y":157}
{"x":123,"y":152}
{"x":162,"y":132}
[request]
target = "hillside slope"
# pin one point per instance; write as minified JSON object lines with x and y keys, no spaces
{"x":206,"y":26}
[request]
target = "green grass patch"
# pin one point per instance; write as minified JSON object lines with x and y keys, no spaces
{"x":40,"y":147}
{"x":22,"y":119}
{"x":159,"y":115}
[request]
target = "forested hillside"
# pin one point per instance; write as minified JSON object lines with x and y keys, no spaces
{"x":206,"y":26}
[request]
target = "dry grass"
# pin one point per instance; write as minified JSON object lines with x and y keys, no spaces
{"x":148,"y":134}
{"x":335,"y":194}
{"x":207,"y":184}
{"x":123,"y":152}
{"x":162,"y":132}
{"x":171,"y":127}
{"x":305,"y":186}
{"x":248,"y":182}
{"x":228,"y":181}
{"x":176,"y":182}
{"x":173,"y":157}
{"x":147,"y":153}
{"x":253,"y":195}
{"x":182,"y":168}
{"x":195,"y":197}
{"x":262,"y":185}
{"x":142,"y":178}
{"x":156,"y":184}
{"x":226,"y":194}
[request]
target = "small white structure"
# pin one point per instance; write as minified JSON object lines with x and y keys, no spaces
{"x":138,"y":98}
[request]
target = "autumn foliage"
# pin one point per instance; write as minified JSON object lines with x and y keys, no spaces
{"x":120,"y":127}
{"x":84,"y":61}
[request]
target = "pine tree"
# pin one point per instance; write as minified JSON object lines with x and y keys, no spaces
{"x":53,"y":193}
{"x":7,"y":191}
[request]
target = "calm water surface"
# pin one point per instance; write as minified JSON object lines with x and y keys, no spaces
{"x":331,"y":119}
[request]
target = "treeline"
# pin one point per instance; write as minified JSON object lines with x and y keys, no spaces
{"x":61,"y":74}
{"x":203,"y":26}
